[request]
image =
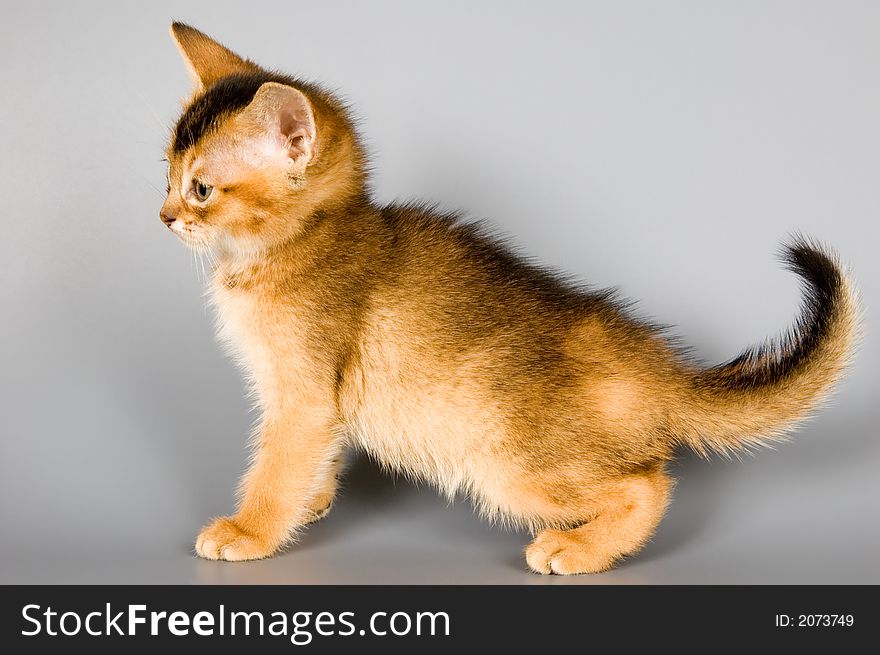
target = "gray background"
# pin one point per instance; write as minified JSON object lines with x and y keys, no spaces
{"x":665,"y":148}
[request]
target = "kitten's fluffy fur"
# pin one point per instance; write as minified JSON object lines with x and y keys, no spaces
{"x":421,"y":340}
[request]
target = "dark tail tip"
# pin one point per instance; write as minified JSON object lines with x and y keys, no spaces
{"x":820,"y":271}
{"x":824,"y":289}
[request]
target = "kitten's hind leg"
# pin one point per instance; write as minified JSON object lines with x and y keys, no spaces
{"x":625,"y":512}
{"x":322,"y":503}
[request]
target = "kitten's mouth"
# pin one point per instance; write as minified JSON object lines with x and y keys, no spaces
{"x":188,"y":236}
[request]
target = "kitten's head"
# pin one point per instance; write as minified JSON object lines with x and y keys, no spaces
{"x":255,"y":154}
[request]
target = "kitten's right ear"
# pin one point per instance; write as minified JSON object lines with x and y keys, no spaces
{"x":207,"y":60}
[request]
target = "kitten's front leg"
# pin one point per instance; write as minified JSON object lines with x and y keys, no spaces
{"x":295,"y":455}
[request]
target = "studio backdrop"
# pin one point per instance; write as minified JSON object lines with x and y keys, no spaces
{"x":665,"y":149}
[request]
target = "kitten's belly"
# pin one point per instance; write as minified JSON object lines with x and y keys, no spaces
{"x":430,"y":418}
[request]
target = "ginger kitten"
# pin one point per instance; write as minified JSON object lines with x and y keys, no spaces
{"x":422,"y":341}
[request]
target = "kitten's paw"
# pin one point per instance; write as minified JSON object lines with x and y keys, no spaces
{"x":224,"y":540}
{"x":557,"y":551}
{"x":320,"y":507}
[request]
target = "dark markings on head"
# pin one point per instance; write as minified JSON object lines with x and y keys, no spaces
{"x":219,"y":102}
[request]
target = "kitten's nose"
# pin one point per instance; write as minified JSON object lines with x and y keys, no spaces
{"x":167,"y":218}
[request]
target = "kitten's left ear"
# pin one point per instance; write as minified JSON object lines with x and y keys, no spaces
{"x":207,"y":60}
{"x":285,"y":117}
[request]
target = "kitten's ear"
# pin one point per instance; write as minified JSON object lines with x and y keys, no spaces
{"x":285,"y":116}
{"x":207,"y":60}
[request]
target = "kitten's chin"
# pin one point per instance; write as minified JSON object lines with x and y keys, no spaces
{"x":196,"y":242}
{"x":193,"y":243}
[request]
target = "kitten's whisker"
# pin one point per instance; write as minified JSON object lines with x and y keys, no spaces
{"x":193,"y":265}
{"x":156,"y":189}
{"x":133,"y":90}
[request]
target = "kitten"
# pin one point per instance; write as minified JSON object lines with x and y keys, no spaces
{"x":422,"y":341}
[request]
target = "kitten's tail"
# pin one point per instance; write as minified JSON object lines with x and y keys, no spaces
{"x":769,"y":389}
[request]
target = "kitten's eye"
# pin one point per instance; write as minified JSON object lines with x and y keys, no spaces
{"x":202,"y":190}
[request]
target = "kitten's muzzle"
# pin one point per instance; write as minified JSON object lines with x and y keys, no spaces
{"x":167,"y":218}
